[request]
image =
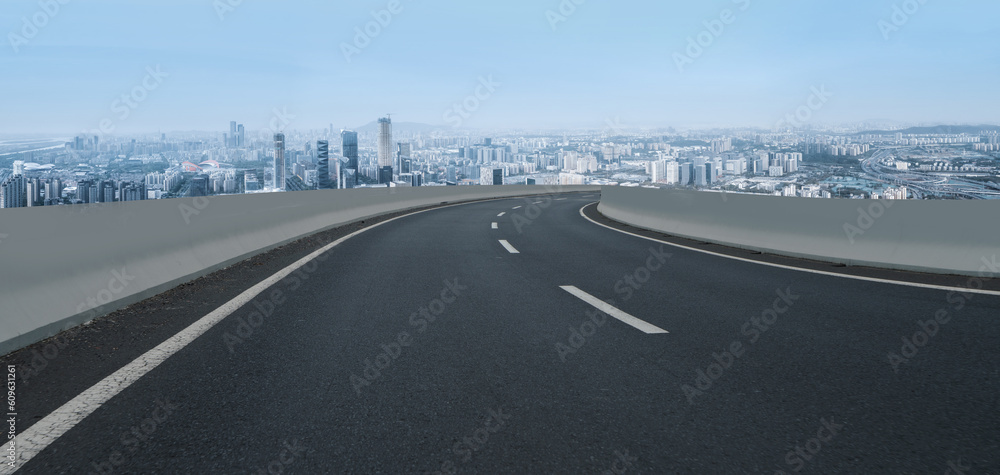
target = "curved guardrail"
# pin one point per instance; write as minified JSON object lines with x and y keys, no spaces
{"x":943,"y":237}
{"x":62,"y":266}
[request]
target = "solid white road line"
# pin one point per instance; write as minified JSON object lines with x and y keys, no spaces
{"x":495,"y":226}
{"x":800,"y":269}
{"x":509,"y":248}
{"x":44,"y":432}
{"x":517,"y":207}
{"x":614,"y":312}
{"x":501,"y":214}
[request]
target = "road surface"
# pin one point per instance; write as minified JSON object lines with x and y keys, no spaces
{"x":520,"y":336}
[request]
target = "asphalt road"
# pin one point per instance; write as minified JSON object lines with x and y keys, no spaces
{"x":425,"y":344}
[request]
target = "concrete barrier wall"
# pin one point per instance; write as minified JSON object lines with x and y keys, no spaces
{"x":944,"y":237}
{"x":62,"y":266}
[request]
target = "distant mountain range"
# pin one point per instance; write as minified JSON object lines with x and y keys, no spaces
{"x":938,"y":129}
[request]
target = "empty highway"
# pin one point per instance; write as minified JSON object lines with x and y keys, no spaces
{"x":523,"y":336}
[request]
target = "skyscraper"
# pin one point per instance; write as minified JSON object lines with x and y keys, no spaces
{"x":35,"y":192}
{"x":323,"y":168}
{"x":700,"y":175}
{"x":673,"y":173}
{"x":14,"y":192}
{"x":402,"y":157}
{"x":279,"y":162}
{"x":385,"y":175}
{"x":82,"y":191}
{"x":385,"y":142}
{"x":350,"y":140}
{"x":685,"y":174}
{"x":338,"y":171}
{"x":53,"y":191}
{"x":232,"y":134}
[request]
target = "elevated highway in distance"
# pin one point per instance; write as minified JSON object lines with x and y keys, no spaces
{"x":528,"y":335}
{"x":922,"y":184}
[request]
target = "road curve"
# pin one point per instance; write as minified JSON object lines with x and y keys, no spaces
{"x":546,"y":343}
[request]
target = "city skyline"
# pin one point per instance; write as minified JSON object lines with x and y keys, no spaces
{"x":524,"y":64}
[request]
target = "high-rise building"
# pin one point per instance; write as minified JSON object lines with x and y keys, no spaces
{"x":14,"y":192}
{"x":485,"y":175}
{"x":384,"y":175}
{"x":241,"y":136}
{"x":722,"y":145}
{"x":34,"y":197}
{"x":279,"y":161}
{"x":338,"y":172}
{"x":250,"y":182}
{"x":350,"y":150}
{"x":131,"y":191}
{"x":385,"y":142}
{"x":402,"y":157}
{"x":498,"y":176}
{"x":701,"y":174}
{"x":53,"y":191}
{"x":673,"y":173}
{"x":323,"y":167}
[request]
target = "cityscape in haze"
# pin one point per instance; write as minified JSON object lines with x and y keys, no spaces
{"x":579,"y":103}
{"x":961,"y":162}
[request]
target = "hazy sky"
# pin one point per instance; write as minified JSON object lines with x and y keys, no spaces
{"x":607,"y":60}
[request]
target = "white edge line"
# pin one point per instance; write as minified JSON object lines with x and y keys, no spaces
{"x":800,"y":269}
{"x":509,"y":248}
{"x":43,"y":433}
{"x":645,"y":327}
{"x":495,"y":226}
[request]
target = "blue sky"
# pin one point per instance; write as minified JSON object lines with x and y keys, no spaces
{"x":606,"y":61}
